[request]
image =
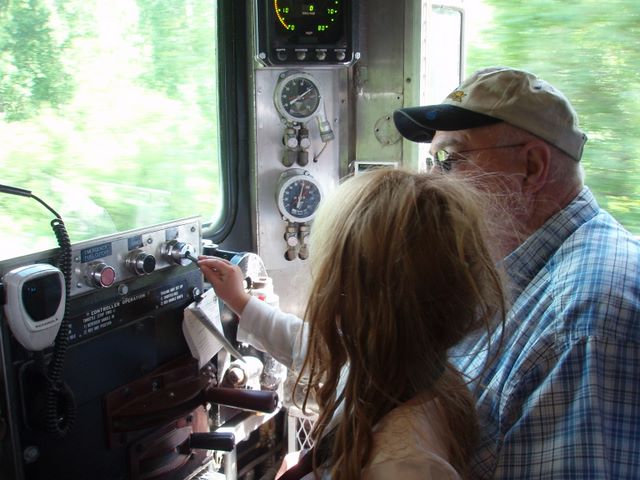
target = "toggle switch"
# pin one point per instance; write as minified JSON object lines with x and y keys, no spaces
{"x":178,"y":252}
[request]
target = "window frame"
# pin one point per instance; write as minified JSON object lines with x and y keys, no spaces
{"x":234,"y":226}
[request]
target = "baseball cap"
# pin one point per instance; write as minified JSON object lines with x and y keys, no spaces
{"x":499,"y":94}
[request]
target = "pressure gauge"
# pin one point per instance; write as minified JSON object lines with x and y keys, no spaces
{"x":297,"y":97}
{"x":298,"y":195}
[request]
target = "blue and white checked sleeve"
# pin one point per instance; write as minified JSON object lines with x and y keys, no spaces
{"x":563,"y":399}
{"x":575,"y":415}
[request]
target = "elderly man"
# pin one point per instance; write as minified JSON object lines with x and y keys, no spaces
{"x":561,"y":396}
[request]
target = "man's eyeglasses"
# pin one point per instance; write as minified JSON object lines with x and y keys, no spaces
{"x":444,"y":159}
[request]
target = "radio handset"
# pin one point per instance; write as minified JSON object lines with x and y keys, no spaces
{"x":34,"y":304}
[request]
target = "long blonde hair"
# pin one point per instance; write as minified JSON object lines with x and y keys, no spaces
{"x":402,"y":272}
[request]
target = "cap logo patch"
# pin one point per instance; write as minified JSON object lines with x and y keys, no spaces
{"x":457,"y":95}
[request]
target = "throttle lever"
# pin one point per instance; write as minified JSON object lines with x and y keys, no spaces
{"x":221,"y":441}
{"x":164,"y":406}
{"x":174,"y":391}
{"x":265,"y":401}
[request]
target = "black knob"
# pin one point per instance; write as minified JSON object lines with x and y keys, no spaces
{"x":140,"y":263}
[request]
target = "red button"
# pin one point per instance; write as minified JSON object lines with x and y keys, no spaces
{"x":107,"y":276}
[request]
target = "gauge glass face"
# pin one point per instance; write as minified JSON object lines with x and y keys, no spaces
{"x":300,"y":199}
{"x":300,"y":97}
{"x":311,"y":22}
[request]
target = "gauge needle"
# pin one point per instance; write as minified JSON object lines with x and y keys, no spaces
{"x":299,"y":202}
{"x":300,"y":97}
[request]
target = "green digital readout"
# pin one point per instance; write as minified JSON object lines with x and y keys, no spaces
{"x":315,"y":32}
{"x":310,"y":22}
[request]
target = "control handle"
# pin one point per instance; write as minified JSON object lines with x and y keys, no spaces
{"x":170,"y":403}
{"x":177,"y":252}
{"x":221,"y":441}
{"x":265,"y":401}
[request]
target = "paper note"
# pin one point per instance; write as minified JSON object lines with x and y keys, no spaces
{"x":202,"y":343}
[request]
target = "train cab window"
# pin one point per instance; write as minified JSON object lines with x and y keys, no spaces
{"x":109,"y":111}
{"x":442,"y":59}
{"x":588,"y":49}
{"x":443,"y":41}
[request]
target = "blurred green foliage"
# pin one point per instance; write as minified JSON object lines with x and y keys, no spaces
{"x":590,"y":50}
{"x":108,"y":112}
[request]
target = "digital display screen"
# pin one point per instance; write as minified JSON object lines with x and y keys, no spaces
{"x":307,"y":31}
{"x":320,"y":22}
{"x":41,"y":296}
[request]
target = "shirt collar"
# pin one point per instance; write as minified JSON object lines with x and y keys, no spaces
{"x":524,"y":263}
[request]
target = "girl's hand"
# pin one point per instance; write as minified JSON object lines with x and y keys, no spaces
{"x":227,"y":281}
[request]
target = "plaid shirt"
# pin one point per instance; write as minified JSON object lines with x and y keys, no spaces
{"x":562,"y":399}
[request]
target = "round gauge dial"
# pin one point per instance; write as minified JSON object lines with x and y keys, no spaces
{"x":297,"y":97}
{"x":298,"y":196}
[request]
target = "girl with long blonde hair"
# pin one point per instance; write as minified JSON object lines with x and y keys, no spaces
{"x":402,"y":272}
